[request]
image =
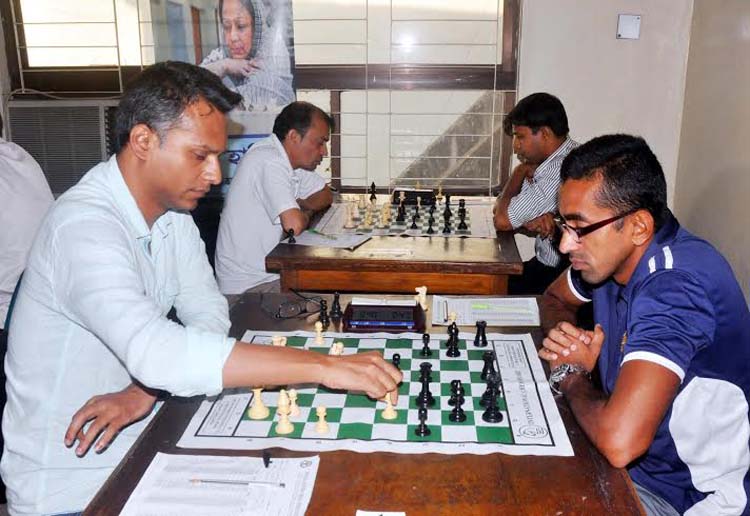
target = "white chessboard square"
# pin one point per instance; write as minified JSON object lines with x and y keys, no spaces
{"x":327,"y":341}
{"x":309,"y":431}
{"x":458,"y":433}
{"x":357,"y":415}
{"x":392,"y":432}
{"x":259,"y":428}
{"x":371,"y":344}
{"x":464,"y":376}
{"x":329,"y":400}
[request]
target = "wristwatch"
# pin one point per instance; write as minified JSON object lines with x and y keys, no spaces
{"x":561,"y":372}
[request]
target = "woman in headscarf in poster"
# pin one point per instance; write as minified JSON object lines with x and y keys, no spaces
{"x":254,"y":58}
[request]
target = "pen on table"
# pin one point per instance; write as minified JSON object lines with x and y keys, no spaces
{"x":316,"y":232}
{"x":237,"y":482}
{"x":445,"y":314}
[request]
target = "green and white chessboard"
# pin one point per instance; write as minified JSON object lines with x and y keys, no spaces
{"x":531,"y":422}
{"x":478,"y":219}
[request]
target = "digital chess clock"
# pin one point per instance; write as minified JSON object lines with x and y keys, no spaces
{"x":388,"y":318}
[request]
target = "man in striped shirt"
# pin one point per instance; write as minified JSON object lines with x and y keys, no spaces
{"x":539,"y":127}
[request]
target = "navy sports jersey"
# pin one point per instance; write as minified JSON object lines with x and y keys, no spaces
{"x":684,"y":310}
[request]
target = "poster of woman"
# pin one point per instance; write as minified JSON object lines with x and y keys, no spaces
{"x":256,"y":53}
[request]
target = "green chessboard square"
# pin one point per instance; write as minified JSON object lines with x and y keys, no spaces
{"x":405,"y":364}
{"x":354,"y":431}
{"x":333,"y":415}
{"x":348,"y":343}
{"x":359,"y":401}
{"x":322,"y":351}
{"x":445,"y":389}
{"x":296,"y":433}
{"x":398,"y":344}
{"x":434,"y":374}
{"x":454,"y":365}
{"x":305,"y":399}
{"x":494,"y":434}
{"x":401,"y":416}
{"x":435,"y":435}
{"x":476,"y":354}
{"x":445,"y":420}
{"x":413,"y":402}
{"x":403,"y":389}
{"x":297,"y":342}
{"x":476,"y":377}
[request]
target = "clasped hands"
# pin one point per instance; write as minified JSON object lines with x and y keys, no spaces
{"x":569,"y":344}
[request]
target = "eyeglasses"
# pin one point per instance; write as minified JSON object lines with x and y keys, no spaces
{"x":578,"y":233}
{"x":292,"y":308}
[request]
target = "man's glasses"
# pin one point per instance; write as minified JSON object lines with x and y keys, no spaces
{"x":578,"y":233}
{"x":292,"y":308}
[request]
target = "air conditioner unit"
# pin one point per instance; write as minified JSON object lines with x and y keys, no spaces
{"x":66,"y":137}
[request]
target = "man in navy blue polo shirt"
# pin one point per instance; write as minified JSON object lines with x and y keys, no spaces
{"x":672,"y":339}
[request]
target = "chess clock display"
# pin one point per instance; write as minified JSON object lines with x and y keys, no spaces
{"x":389,"y":318}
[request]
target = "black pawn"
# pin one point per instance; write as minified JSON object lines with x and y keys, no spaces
{"x":430,"y":229}
{"x":396,"y":360}
{"x":426,"y":351}
{"x":458,"y":415}
{"x":461,"y":203}
{"x":432,"y":209}
{"x":491,"y":387}
{"x":324,"y":319}
{"x":416,"y":213}
{"x":480,"y":339}
{"x":290,"y":235}
{"x":454,"y":392}
{"x":414,"y":222}
{"x":336,"y":312}
{"x":373,"y":189}
{"x":489,"y":365}
{"x":446,"y":227}
{"x":401,"y":213}
{"x":422,"y":430}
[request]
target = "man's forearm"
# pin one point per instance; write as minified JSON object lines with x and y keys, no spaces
{"x":512,"y":188}
{"x":318,"y":201}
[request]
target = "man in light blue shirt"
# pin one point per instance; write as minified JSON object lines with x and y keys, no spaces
{"x":114,"y":255}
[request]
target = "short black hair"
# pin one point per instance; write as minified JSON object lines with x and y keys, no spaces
{"x":632,"y":177}
{"x":159,"y":95}
{"x":298,"y":116}
{"x":536,"y":111}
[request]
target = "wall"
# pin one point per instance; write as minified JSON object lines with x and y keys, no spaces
{"x":713,"y":177}
{"x":610,"y":85}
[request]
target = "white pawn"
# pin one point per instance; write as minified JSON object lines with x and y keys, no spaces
{"x":257,"y":410}
{"x":321,"y":426}
{"x":293,"y":408}
{"x":452,"y":317}
{"x":319,"y":333}
{"x":362,"y":202}
{"x":388,"y":412}
{"x":278,"y":340}
{"x":284,"y":426}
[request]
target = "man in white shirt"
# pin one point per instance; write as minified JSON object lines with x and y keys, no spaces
{"x":114,"y":255}
{"x":539,"y":127}
{"x":274,"y":190}
{"x":25,"y":198}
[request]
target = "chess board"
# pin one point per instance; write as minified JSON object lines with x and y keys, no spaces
{"x":531,"y":423}
{"x":409,"y":226}
{"x":478,"y":221}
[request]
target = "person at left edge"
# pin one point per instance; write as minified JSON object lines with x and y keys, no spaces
{"x":90,"y":338}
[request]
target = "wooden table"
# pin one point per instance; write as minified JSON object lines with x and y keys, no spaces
{"x":427,"y":484}
{"x":451,"y":265}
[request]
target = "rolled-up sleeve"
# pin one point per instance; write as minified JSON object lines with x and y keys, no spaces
{"x":276,"y":190}
{"x":98,"y":284}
